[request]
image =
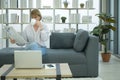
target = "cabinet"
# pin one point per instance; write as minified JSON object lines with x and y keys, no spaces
{"x":15,"y":13}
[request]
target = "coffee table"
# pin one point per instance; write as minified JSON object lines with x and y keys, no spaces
{"x":62,"y":70}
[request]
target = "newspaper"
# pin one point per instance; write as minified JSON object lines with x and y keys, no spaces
{"x":14,"y":35}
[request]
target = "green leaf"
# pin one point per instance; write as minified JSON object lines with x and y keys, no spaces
{"x":106,"y":18}
{"x":96,"y":31}
{"x":112,"y":27}
{"x":110,"y":20}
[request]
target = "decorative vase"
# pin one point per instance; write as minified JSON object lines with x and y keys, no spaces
{"x":65,"y":4}
{"x":81,"y":5}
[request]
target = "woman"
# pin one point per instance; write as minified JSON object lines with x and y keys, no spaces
{"x":36,"y":33}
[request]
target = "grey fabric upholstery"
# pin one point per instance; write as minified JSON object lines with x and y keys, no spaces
{"x":80,"y":40}
{"x":82,"y":64}
{"x":65,"y":56}
{"x":6,"y":55}
{"x":91,"y":51}
{"x":63,"y":40}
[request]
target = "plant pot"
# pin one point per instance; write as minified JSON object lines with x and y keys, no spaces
{"x":81,"y":5}
{"x":66,"y":5}
{"x":63,"y":20}
{"x":106,"y":57}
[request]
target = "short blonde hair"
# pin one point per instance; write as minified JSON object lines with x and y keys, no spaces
{"x":36,"y":12}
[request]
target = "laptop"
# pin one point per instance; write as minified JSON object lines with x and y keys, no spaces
{"x":28,"y":59}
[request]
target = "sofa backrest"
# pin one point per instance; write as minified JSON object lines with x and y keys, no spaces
{"x":76,"y":41}
{"x":62,"y":40}
{"x":80,"y":40}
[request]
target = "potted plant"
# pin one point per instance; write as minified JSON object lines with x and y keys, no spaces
{"x":81,"y":5}
{"x":102,"y":31}
{"x":63,"y":19}
{"x":65,"y":3}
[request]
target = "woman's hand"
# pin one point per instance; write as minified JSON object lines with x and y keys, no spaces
{"x":39,"y":24}
{"x":12,"y":40}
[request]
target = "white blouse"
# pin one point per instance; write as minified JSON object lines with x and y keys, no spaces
{"x":39,"y":36}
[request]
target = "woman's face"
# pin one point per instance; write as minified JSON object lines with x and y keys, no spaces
{"x":35,"y":20}
{"x":36,"y":17}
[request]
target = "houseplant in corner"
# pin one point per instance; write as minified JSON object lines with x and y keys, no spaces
{"x":102,"y":31}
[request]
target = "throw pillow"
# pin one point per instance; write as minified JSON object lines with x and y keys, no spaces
{"x":80,"y":40}
{"x":62,"y":40}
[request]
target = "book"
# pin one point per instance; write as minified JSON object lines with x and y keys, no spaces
{"x":23,"y":3}
{"x":30,"y":4}
{"x":38,"y":3}
{"x":25,"y":18}
{"x":57,"y":3}
{"x":86,"y":19}
{"x":75,"y":3}
{"x":4,"y":17}
{"x":13,"y":3}
{"x":14,"y":18}
{"x":4,"y":4}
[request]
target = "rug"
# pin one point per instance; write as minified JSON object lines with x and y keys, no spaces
{"x":64,"y":79}
{"x":77,"y":79}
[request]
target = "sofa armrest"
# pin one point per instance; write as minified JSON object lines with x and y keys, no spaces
{"x":91,"y":52}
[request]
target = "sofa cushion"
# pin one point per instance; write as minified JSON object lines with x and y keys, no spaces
{"x":7,"y":55}
{"x":80,"y":40}
{"x":65,"y":56}
{"x":62,"y":40}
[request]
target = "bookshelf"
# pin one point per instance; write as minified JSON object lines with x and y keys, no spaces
{"x":16,"y":13}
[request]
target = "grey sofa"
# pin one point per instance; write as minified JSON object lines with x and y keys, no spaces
{"x":79,"y":50}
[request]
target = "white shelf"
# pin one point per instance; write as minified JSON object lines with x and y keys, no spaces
{"x":50,"y":23}
{"x":53,"y":12}
{"x":26,"y":8}
{"x":75,"y":8}
{"x":15,"y":23}
{"x":74,"y":23}
{"x":49,"y":8}
{"x":3,"y":37}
